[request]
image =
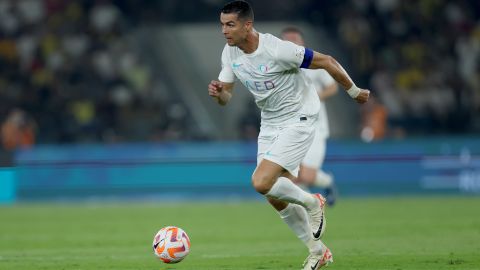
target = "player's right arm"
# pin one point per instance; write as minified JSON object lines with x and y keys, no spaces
{"x":220,"y":91}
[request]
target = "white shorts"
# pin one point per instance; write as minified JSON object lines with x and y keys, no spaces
{"x":316,"y":154}
{"x":286,"y":145}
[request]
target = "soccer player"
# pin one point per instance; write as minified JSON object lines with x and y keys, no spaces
{"x":270,"y":69}
{"x":311,"y":173}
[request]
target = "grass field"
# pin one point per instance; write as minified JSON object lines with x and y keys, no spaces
{"x":387,"y":233}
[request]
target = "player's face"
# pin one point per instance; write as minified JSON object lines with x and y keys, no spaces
{"x":294,"y":37}
{"x":234,"y":30}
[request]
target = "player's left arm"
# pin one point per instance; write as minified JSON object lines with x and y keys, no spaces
{"x":338,"y":73}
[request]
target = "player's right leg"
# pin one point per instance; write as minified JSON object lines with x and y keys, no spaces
{"x":280,"y":152}
{"x":296,"y":217}
{"x":283,"y":189}
{"x":267,"y":179}
{"x":293,"y":214}
{"x":315,"y":261}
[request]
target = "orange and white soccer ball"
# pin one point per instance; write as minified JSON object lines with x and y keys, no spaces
{"x":171,"y":244}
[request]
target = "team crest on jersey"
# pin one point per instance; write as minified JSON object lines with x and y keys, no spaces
{"x":263,"y":68}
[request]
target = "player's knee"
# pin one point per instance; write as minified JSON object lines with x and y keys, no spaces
{"x":261,"y":183}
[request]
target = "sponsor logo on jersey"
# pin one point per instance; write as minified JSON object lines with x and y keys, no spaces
{"x":259,"y":85}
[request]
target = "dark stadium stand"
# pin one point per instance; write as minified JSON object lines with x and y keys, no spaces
{"x":77,"y":71}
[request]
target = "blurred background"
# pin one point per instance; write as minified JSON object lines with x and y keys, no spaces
{"x":103,"y":98}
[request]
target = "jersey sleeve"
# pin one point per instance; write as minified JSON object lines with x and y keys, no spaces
{"x":289,"y":55}
{"x":226,"y":74}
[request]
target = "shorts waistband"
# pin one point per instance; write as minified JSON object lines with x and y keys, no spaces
{"x":293,"y":121}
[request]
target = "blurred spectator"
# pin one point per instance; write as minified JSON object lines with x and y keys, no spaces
{"x":374,"y":121}
{"x":420,"y":57}
{"x":71,"y":64}
{"x":18,"y":130}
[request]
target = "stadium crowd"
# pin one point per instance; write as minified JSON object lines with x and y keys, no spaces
{"x":68,"y":70}
{"x":70,"y":73}
{"x":420,"y":58}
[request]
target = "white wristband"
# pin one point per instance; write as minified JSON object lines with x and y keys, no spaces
{"x":354,"y":91}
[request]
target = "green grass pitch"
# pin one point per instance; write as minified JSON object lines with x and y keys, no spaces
{"x":377,"y":233}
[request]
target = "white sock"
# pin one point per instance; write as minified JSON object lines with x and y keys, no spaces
{"x":323,"y":179}
{"x":296,"y":218}
{"x":285,"y":190}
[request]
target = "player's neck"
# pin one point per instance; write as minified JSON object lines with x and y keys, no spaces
{"x":250,"y":44}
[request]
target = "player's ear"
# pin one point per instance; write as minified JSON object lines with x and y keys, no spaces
{"x":248,"y":25}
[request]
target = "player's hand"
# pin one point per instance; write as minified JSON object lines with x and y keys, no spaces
{"x":215,"y":88}
{"x":363,"y":96}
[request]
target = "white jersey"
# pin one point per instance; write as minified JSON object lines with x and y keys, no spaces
{"x":272,"y":74}
{"x":321,"y":80}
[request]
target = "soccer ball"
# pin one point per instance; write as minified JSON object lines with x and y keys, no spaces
{"x":171,"y":244}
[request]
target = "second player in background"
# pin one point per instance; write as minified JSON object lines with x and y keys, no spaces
{"x":311,"y":173}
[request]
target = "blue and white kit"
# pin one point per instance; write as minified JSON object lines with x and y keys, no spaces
{"x":288,"y":100}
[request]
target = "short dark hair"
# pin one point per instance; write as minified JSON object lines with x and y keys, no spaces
{"x":292,"y":29}
{"x":241,"y":8}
